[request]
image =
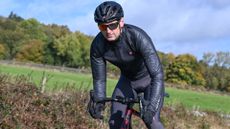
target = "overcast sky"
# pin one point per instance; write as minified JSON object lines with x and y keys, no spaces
{"x":177,"y":26}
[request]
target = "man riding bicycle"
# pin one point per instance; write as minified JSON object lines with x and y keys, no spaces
{"x":132,"y":51}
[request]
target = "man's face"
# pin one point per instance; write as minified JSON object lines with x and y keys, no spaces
{"x":112,"y":30}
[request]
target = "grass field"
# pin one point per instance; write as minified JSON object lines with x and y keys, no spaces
{"x":60,"y":80}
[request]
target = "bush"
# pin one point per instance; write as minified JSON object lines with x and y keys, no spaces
{"x":23,"y":106}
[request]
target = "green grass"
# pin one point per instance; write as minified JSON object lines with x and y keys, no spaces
{"x":190,"y":99}
{"x":201,"y":100}
{"x":58,"y":79}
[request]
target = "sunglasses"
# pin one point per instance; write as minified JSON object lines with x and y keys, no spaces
{"x":103,"y":27}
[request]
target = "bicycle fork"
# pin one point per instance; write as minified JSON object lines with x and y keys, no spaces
{"x":126,"y":122}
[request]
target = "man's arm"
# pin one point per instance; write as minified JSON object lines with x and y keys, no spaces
{"x":98,"y":66}
{"x":152,"y":62}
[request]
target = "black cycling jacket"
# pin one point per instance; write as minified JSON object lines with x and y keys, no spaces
{"x":135,"y":55}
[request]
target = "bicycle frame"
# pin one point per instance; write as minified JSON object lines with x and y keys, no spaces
{"x":126,"y":124}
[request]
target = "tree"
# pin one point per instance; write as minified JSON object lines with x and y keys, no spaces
{"x":31,"y":51}
{"x":8,"y":24}
{"x":56,"y":31}
{"x":33,"y":29}
{"x":217,"y":73}
{"x":69,"y":50}
{"x":222,"y":59}
{"x":184,"y":70}
{"x":12,"y":41}
{"x":85,"y":42}
{"x":53,"y":32}
{"x":2,"y":51}
{"x":208,"y":58}
{"x":166,"y":60}
{"x":15,"y":17}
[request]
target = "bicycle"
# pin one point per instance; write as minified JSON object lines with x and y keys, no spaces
{"x":126,"y":124}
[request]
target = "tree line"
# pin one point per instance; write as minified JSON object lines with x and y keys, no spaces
{"x":31,"y":41}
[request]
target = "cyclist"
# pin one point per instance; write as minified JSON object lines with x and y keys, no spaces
{"x":132,"y":51}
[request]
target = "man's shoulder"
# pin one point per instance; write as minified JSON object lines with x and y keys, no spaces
{"x":99,"y":39}
{"x":97,"y":46}
{"x":98,"y":42}
{"x":133,"y":28}
{"x":99,"y":36}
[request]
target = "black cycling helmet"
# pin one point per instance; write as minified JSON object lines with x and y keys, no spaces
{"x":108,"y":11}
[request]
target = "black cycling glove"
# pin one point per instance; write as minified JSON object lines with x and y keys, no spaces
{"x":149,"y":110}
{"x":95,"y":108}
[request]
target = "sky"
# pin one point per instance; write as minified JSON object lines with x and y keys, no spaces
{"x":175,"y":26}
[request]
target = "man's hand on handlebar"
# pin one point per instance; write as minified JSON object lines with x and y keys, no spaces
{"x":95,"y":107}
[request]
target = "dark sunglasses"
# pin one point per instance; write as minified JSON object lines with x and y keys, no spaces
{"x":103,"y":27}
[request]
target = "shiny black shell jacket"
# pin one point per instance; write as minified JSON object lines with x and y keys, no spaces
{"x":135,"y":55}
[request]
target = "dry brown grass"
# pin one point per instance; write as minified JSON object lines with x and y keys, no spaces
{"x":177,"y":117}
{"x":23,"y":106}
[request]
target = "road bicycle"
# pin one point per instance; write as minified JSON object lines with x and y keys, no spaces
{"x":126,"y":124}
